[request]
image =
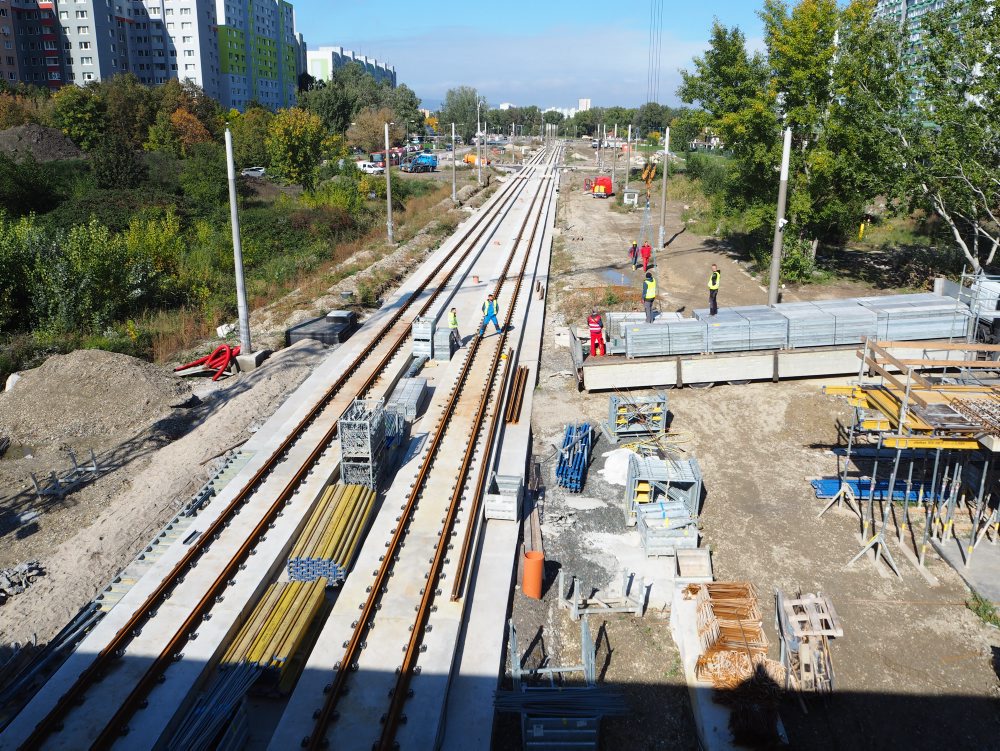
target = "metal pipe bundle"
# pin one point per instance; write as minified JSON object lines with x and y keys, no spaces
{"x":327,"y":544}
{"x":574,"y":457}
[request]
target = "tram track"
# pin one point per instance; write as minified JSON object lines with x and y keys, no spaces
{"x":356,"y":381}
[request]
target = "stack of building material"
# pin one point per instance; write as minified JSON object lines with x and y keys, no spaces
{"x":574,"y":457}
{"x":327,"y":544}
{"x":408,"y":398}
{"x":768,"y":328}
{"x":728,"y":331}
{"x":677,"y":337}
{"x":616,"y":323}
{"x":808,"y":326}
{"x":919,"y":317}
{"x":666,"y":527}
{"x":636,"y":417}
{"x":853,"y":323}
{"x":732,"y":636}
{"x":422,"y":333}
{"x":805,"y":626}
{"x":365,"y":431}
{"x":654,"y":480}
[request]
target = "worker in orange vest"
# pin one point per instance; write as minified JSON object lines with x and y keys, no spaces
{"x":633,"y":255}
{"x":596,"y":326}
{"x":645,"y":251}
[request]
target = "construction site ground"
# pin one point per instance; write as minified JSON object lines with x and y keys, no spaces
{"x":915,"y":667}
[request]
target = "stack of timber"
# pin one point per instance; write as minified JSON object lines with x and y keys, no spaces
{"x":330,"y":538}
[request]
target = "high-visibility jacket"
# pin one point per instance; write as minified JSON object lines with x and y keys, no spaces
{"x":491,"y":308}
{"x":452,"y":320}
{"x":595,"y":323}
{"x":646,"y":250}
{"x":713,"y":280}
{"x":649,"y":289}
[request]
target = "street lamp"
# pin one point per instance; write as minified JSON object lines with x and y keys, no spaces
{"x":479,"y":141}
{"x":388,"y":187}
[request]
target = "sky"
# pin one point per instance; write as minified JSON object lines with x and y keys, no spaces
{"x":545,"y":52}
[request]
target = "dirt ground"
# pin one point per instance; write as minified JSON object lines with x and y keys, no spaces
{"x":910,"y":650}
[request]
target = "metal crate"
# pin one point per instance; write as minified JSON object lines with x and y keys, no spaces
{"x":651,"y":479}
{"x":362,"y":430}
{"x":635,"y":417}
{"x":408,"y":398}
{"x":422,"y":336}
{"x":504,"y":497}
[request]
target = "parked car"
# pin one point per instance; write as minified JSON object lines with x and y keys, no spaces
{"x":371,"y":168}
{"x":252,"y":172}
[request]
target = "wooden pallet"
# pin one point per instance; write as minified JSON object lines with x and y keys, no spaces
{"x":812,"y":615}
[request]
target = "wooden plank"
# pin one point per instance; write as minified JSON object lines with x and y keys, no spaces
{"x":968,"y":346}
{"x":991,"y":364}
{"x":876,"y":352}
{"x":891,"y":378}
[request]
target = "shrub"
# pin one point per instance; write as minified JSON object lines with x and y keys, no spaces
{"x":117,"y":165}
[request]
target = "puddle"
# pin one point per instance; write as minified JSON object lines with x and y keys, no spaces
{"x":615,"y":276}
{"x":18,"y":451}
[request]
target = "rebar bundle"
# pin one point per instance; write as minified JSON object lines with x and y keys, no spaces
{"x":730,"y":632}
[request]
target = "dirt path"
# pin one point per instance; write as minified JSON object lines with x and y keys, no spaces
{"x":915,"y":669}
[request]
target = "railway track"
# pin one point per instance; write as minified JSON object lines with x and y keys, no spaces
{"x":441,"y":505}
{"x":312,"y":436}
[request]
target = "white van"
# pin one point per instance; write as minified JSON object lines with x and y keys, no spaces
{"x":371,"y":168}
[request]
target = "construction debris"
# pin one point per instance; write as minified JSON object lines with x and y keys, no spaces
{"x":13,"y":581}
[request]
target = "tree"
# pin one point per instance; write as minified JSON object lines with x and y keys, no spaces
{"x":25,"y":186}
{"x":552,"y":117}
{"x":405,"y":106}
{"x":189,"y":129}
{"x":250,"y":131}
{"x":131,"y":108}
{"x":460,"y":108}
{"x":116,"y":164}
{"x":80,"y":114}
{"x":367,"y":132}
{"x":162,"y":136}
{"x":295,"y":143}
{"x":204,"y":178}
{"x":950,"y":141}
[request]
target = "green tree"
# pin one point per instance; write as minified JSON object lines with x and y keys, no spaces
{"x":116,"y":164}
{"x":250,"y":131}
{"x":204,"y":178}
{"x":80,"y":114}
{"x":26,"y":186}
{"x":367,"y":132}
{"x":19,"y":243}
{"x":162,"y":135}
{"x":131,"y":108}
{"x":295,"y":142}
{"x":405,"y":106}
{"x":460,"y":108}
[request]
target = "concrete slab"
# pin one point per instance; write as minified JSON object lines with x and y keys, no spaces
{"x":982,"y":575}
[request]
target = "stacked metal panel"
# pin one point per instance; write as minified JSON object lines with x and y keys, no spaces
{"x":985,"y":293}
{"x":808,"y":326}
{"x":636,"y":417}
{"x":442,"y":343}
{"x":728,"y":331}
{"x":330,"y":538}
{"x":665,"y":528}
{"x":408,"y":397}
{"x":650,"y":479}
{"x":363,"y":442}
{"x":615,"y":323}
{"x":768,"y":328}
{"x":853,"y":323}
{"x":422,"y":333}
{"x":932,"y":317}
{"x":679,"y":337}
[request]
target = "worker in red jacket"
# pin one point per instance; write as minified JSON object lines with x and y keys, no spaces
{"x":596,"y":326}
{"x":645,"y":251}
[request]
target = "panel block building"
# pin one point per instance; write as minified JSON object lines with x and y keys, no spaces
{"x":323,"y":61}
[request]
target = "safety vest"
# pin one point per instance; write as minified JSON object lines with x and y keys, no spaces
{"x":490,"y":307}
{"x":452,"y":320}
{"x":649,"y":289}
{"x":595,"y":323}
{"x":713,"y":280}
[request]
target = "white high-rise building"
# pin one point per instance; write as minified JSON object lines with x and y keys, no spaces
{"x":582,"y":105}
{"x":322,"y":62}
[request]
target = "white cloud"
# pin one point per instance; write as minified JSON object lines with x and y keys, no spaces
{"x":553,"y":67}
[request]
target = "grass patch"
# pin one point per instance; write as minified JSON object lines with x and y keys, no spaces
{"x":983,"y":608}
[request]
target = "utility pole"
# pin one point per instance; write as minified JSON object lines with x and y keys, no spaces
{"x":779,"y":224}
{"x":663,"y":199}
{"x":628,"y":155}
{"x":479,"y":141}
{"x":601,"y":138}
{"x":388,"y":189}
{"x":241,"y":289}
{"x":454,"y":162}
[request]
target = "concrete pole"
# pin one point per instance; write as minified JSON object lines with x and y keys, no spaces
{"x":601,"y":138}
{"x":779,"y":224}
{"x":454,"y":162}
{"x":479,"y":144}
{"x":663,"y":199}
{"x":388,"y":189}
{"x":241,"y":289}
{"x":628,"y":155}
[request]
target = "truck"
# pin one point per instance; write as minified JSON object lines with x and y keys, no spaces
{"x":421,"y":163}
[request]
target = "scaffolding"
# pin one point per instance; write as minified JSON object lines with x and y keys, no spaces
{"x":935,"y":425}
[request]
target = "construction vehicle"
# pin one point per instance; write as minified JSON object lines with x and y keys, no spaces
{"x":471,"y":159}
{"x":602,"y":187}
{"x":421,"y":163}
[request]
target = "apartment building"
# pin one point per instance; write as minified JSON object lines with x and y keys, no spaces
{"x":322,"y":62}
{"x":259,"y":52}
{"x":8,"y":44}
{"x":34,"y":36}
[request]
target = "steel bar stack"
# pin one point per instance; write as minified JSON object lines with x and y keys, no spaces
{"x":326,"y":547}
{"x":408,"y":398}
{"x":364,"y":441}
{"x":513,"y":413}
{"x":634,"y":417}
{"x":574,"y":457}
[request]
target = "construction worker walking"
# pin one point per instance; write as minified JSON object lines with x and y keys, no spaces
{"x":713,"y":290}
{"x":456,"y":339}
{"x":645,"y":251}
{"x":490,"y":310}
{"x":633,"y":255}
{"x":596,"y":326}
{"x":648,"y":295}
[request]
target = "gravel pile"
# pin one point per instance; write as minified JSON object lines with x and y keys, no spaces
{"x":44,"y":144}
{"x":88,"y":397}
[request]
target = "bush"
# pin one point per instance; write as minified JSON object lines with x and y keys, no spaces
{"x":26,"y":186}
{"x":204,"y":178}
{"x":117,"y":165}
{"x":711,"y":171}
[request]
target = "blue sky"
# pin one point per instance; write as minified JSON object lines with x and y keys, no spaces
{"x":544,"y":52}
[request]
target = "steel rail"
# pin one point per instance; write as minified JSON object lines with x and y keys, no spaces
{"x":347,"y":664}
{"x":74,"y":694}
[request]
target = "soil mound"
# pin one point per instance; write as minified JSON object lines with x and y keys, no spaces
{"x":43,"y":144}
{"x":89,"y":397}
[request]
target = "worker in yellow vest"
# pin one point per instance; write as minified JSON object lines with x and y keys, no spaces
{"x":456,"y":339}
{"x":648,"y":295}
{"x":713,"y":290}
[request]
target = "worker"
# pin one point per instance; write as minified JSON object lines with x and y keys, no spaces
{"x":490,"y":310}
{"x":645,"y":251}
{"x":633,"y":255}
{"x":713,"y":290}
{"x":456,"y":339}
{"x":596,"y":326}
{"x":648,"y":295}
